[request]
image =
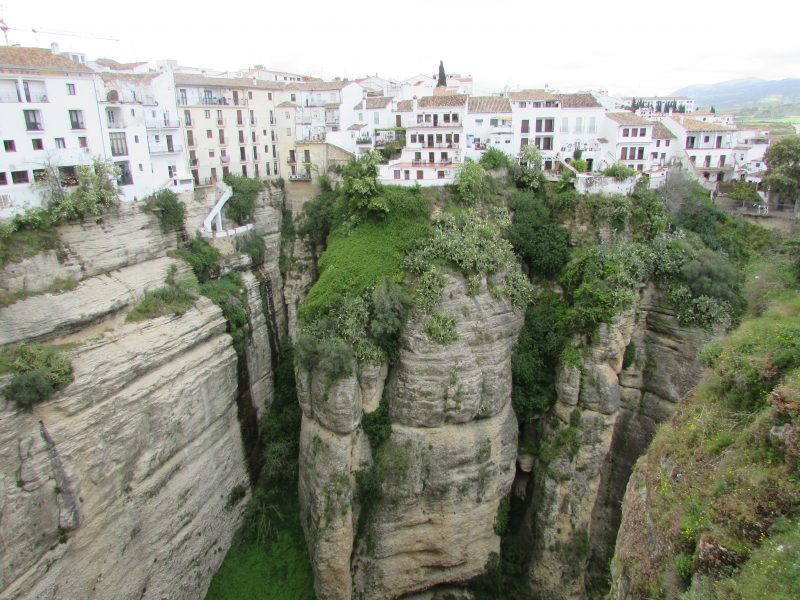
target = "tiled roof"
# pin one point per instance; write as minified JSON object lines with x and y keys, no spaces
{"x":118,"y":66}
{"x":628,"y":118}
{"x":226,"y":82}
{"x":697,"y":125}
{"x":331,"y":105}
{"x":662,"y":133}
{"x":442,"y":101}
{"x":531,"y":95}
{"x":40,"y":59}
{"x":488,"y":104}
{"x":356,"y":127}
{"x":404,"y":106}
{"x":578,"y":101}
{"x":375,"y":102}
{"x":130,"y":77}
{"x":317,"y":86}
{"x":287,"y":104}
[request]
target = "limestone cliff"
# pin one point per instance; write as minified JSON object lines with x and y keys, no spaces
{"x":605,"y":416}
{"x":447,"y":465}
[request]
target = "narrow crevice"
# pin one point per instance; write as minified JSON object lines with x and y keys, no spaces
{"x":69,"y":516}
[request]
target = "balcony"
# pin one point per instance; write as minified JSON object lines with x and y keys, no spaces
{"x":221,"y":122}
{"x":300,"y":177}
{"x":364,"y":140}
{"x":193,"y":162}
{"x":166,"y":149}
{"x":188,"y":122}
{"x":440,"y":125}
{"x":426,"y":163}
{"x":115,"y":125}
{"x":292,"y":160}
{"x":163,"y":124}
{"x":436,"y":146}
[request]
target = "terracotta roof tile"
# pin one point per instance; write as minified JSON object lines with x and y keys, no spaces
{"x":356,"y":127}
{"x":287,"y":104}
{"x":488,"y":104}
{"x":442,"y":101}
{"x":131,"y":77}
{"x":318,"y":86}
{"x":375,"y":102}
{"x":662,"y":133}
{"x":531,"y":95}
{"x":40,"y":59}
{"x":226,"y":82}
{"x":404,"y":106}
{"x":696,"y":125}
{"x":628,"y":118}
{"x":578,"y":101}
{"x":118,"y":66}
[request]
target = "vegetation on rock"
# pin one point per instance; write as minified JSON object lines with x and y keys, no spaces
{"x":37,"y":371}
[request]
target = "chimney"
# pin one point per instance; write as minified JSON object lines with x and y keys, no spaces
{"x":414,"y":104}
{"x":54,"y":47}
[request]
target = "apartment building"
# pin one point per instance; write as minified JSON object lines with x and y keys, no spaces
{"x":434,"y":142}
{"x":488,"y":124}
{"x":664,"y":150}
{"x":578,"y":125}
{"x":708,"y":149}
{"x":48,"y":117}
{"x":627,"y":139}
{"x":652,"y":106}
{"x":229,"y":126}
{"x":535,"y":113}
{"x":373,"y":114}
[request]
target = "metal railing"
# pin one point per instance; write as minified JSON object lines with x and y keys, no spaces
{"x":163,"y":124}
{"x":175,"y":148}
{"x":300,"y":177}
{"x":117,"y":124}
{"x":422,"y":163}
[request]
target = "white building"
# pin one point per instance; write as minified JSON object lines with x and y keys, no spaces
{"x":324,"y":110}
{"x":488,"y":124}
{"x":372,"y":114}
{"x":578,"y":127}
{"x":48,"y":115}
{"x":661,"y":105}
{"x":628,"y":140}
{"x":751,"y":147}
{"x":708,"y":149}
{"x":229,"y":126}
{"x":434,"y":142}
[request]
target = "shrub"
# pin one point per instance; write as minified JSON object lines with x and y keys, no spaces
{"x":38,"y":372}
{"x":377,"y":425}
{"x":332,"y":356}
{"x":470,"y":182}
{"x":629,"y":356}
{"x":253,"y":245}
{"x":360,"y":186}
{"x":202,"y":256}
{"x":236,"y":495}
{"x":390,"y":304}
{"x":441,"y":328}
{"x":96,"y":193}
{"x":619,"y":171}
{"x":316,"y":220}
{"x":581,"y":166}
{"x":228,"y":293}
{"x":242,"y":204}
{"x":170,"y":211}
{"x":541,"y":242}
{"x":494,"y":158}
{"x":171,"y":299}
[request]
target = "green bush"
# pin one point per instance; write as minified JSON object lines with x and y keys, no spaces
{"x":316,"y":221}
{"x":168,"y":300}
{"x":229,"y":294}
{"x":581,"y":166}
{"x":629,"y":356}
{"x":619,"y":172}
{"x":235,"y":496}
{"x":202,"y":256}
{"x":441,"y":328}
{"x":470,"y":182}
{"x":170,"y":211}
{"x":242,"y":204}
{"x":541,"y":242}
{"x":332,"y":356}
{"x":38,"y":372}
{"x":377,"y":425}
{"x":494,"y":158}
{"x":253,"y":245}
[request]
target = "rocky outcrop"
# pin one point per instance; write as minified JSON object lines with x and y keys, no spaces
{"x":604,"y":418}
{"x":118,"y":487}
{"x":445,"y":468}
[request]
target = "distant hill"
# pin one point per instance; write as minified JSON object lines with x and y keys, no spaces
{"x":743,"y":92}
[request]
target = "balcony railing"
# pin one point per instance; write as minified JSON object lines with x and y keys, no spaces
{"x":439,"y":124}
{"x":437,"y":145}
{"x":432,"y":163}
{"x":364,"y":140}
{"x":221,"y":122}
{"x":9,"y":98}
{"x":117,"y":125}
{"x":300,"y":177}
{"x":163,"y":124}
{"x":188,"y":122}
{"x":292,"y":160}
{"x":193,"y":162}
{"x":36,"y":97}
{"x":174,"y":149}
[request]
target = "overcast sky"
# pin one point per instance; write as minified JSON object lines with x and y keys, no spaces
{"x":627,"y":47}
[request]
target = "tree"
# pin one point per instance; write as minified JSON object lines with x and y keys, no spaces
{"x":783,"y":169}
{"x":713,"y":111}
{"x":360,"y":186}
{"x":442,"y":77}
{"x":470,"y":181}
{"x":532,"y":157}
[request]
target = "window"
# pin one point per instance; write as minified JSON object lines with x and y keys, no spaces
{"x":33,"y":120}
{"x":83,"y":142}
{"x":440,"y":174}
{"x":565,"y":125}
{"x":658,"y":143}
{"x":274,"y":151}
{"x":544,"y":143}
{"x":243,"y":153}
{"x":705,"y":139}
{"x":133,"y":112}
{"x":9,"y":146}
{"x":19,"y":177}
{"x":640,"y":154}
{"x":221,"y":136}
{"x":252,"y":136}
{"x":269,"y":97}
{"x":376,"y":118}
{"x":396,"y":174}
{"x":289,"y":131}
{"x":592,"y":125}
{"x":119,"y":145}
{"x":3,"y":179}
{"x":37,"y":144}
{"x":76,"y":119}
{"x":579,"y":125}
{"x":623,"y":153}
{"x":39,"y":174}
{"x":136,"y":139}
{"x":209,"y":134}
{"x":526,"y":126}
{"x":306,"y":156}
{"x":60,"y":143}
{"x":635,"y":132}
{"x":71,"y":89}
{"x":244,"y":170}
{"x":523,"y":142}
{"x":294,"y":97}
{"x":250,"y":95}
{"x":211,"y":154}
{"x":255,"y":153}
{"x":666,"y":143}
{"x":625,"y":132}
{"x":419,"y":175}
{"x":241,"y":136}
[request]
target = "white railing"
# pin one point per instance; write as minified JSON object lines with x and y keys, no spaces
{"x":216,"y":212}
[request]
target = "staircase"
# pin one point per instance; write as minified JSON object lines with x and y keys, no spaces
{"x":215,"y":217}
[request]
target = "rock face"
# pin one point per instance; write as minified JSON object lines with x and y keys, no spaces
{"x":613,"y":412}
{"x":117,"y":488}
{"x":447,"y":465}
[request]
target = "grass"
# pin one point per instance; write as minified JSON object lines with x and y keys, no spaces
{"x":23,"y":243}
{"x":38,"y":371}
{"x":168,"y":300}
{"x":355,"y":261}
{"x":59,"y":286}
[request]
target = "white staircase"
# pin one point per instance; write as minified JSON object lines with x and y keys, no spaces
{"x":215,"y":217}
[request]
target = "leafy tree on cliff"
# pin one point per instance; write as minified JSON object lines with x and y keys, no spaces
{"x":783,"y":169}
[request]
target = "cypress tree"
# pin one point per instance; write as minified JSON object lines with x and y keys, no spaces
{"x":442,"y":77}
